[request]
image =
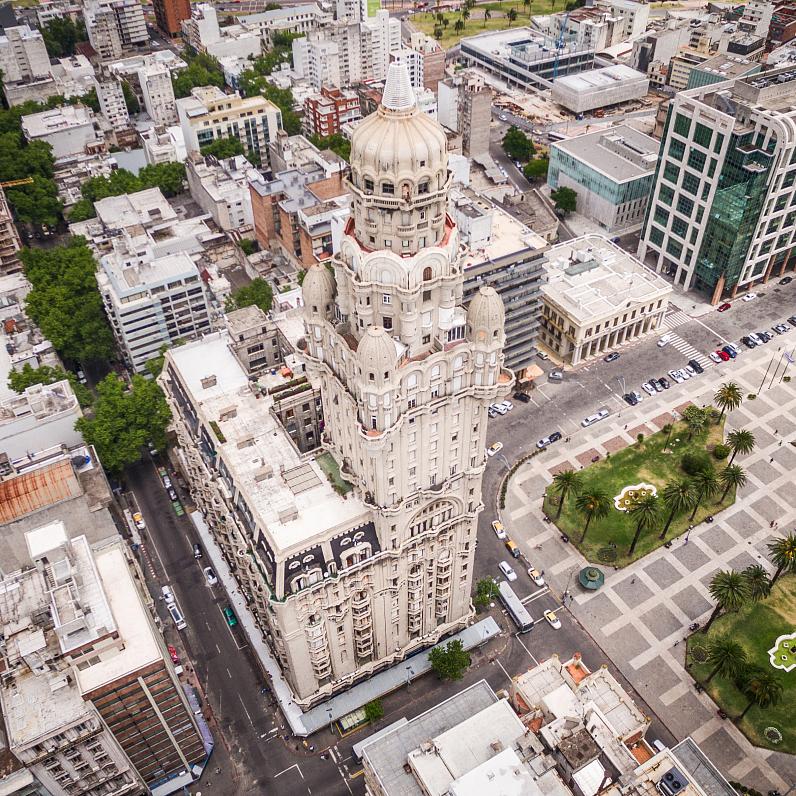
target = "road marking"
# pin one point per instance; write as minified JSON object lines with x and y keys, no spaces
{"x":358,"y":773}
{"x":531,"y":597}
{"x":270,"y":732}
{"x":244,"y":710}
{"x":504,"y":671}
{"x":217,"y":647}
{"x":289,"y":768}
{"x":229,"y":673}
{"x":535,"y":662}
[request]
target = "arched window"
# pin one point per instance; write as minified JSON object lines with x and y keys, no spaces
{"x":427,"y":273}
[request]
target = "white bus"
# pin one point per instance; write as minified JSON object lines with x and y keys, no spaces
{"x":516,"y":610}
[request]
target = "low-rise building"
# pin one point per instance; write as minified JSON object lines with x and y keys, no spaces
{"x":163,"y":147}
{"x":597,"y":297}
{"x":69,"y":129}
{"x":612,"y":173}
{"x":221,"y":188}
{"x":74,"y":76}
{"x":204,"y":34}
{"x":599,"y":88}
{"x":208,"y":114}
{"x":721,"y":67}
{"x":286,"y":19}
{"x":325,"y":113}
{"x":23,"y":56}
{"x":535,"y":212}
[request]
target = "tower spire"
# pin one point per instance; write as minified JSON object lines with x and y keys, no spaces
{"x":398,"y":92}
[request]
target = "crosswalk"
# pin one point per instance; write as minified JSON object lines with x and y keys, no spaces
{"x":688,"y":351}
{"x":674,"y":319}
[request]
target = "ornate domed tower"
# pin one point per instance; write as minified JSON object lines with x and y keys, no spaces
{"x":406,"y":375}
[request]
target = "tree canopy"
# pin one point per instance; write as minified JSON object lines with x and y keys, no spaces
{"x":338,"y":143}
{"x":20,"y":380}
{"x":451,"y":661}
{"x":125,"y":419}
{"x":486,"y":590}
{"x":258,"y":292}
{"x":517,"y":145}
{"x":61,"y":35}
{"x":565,"y":200}
{"x":536,"y":170}
{"x":223,"y":148}
{"x":65,"y":303}
{"x":202,"y":70}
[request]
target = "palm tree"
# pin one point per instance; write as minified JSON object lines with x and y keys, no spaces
{"x":677,"y":497}
{"x":511,"y":15}
{"x":645,"y":512}
{"x":695,"y":419}
{"x":758,"y":582}
{"x":526,"y":3}
{"x":732,"y":476}
{"x":487,"y":16}
{"x":465,"y":13}
{"x":592,"y":503}
{"x":563,"y":483}
{"x":440,"y":17}
{"x":727,"y":657}
{"x":783,"y":555}
{"x":740,"y":441}
{"x":730,"y":590}
{"x":459,"y":26}
{"x":438,"y":32}
{"x":760,"y":686}
{"x":728,"y":397}
{"x":706,"y":485}
{"x":446,"y":22}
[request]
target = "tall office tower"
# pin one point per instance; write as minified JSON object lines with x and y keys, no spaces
{"x":721,"y":214}
{"x":169,"y":14}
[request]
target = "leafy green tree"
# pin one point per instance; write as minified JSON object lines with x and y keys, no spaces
{"x":169,"y":177}
{"x":486,"y":590}
{"x":731,"y":477}
{"x":536,"y":170}
{"x":565,"y":200}
{"x":706,"y":485}
{"x":695,"y":419}
{"x":449,"y":662}
{"x":726,"y":656}
{"x":65,"y":303}
{"x":564,"y":483}
{"x":258,"y":292}
{"x":645,"y":513}
{"x":740,"y":441}
{"x":758,"y":582}
{"x":592,"y":503}
{"x":782,"y":552}
{"x":511,"y":15}
{"x":20,"y":380}
{"x":728,"y":398}
{"x":202,"y":70}
{"x":223,"y":148}
{"x":338,"y":143}
{"x":249,"y":246}
{"x":130,"y":99}
{"x":458,"y":26}
{"x":677,"y":497}
{"x":120,"y":181}
{"x":37,"y":204}
{"x":730,"y":590}
{"x":517,"y":145}
{"x":125,"y":419}
{"x":761,"y":687}
{"x":374,"y":710}
{"x":61,"y":36}
{"x":437,"y":32}
{"x":91,"y":100}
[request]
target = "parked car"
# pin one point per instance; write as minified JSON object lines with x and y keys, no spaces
{"x":167,"y":482}
{"x":648,"y":388}
{"x":210,"y":576}
{"x":695,"y":366}
{"x":507,"y":405}
{"x":541,"y":355}
{"x":493,"y":449}
{"x":689,"y":371}
{"x":658,"y":387}
{"x":781,"y":328}
{"x":630,"y":398}
{"x":545,"y":441}
{"x":522,"y":396}
{"x":612,"y":357}
{"x":229,"y":615}
{"x":176,"y":615}
{"x":498,"y":409}
{"x":139,"y":521}
{"x":723,"y":355}
{"x":175,"y":658}
{"x":786,"y":280}
{"x":732,"y":347}
{"x":664,"y":382}
{"x":730,"y":351}
{"x":552,"y":619}
{"x":724,"y":307}
{"x":197,"y":551}
{"x":172,"y":494}
{"x":595,"y":418}
{"x":677,"y":376}
{"x":792,"y":320}
{"x":664,"y":341}
{"x":555,"y":375}
{"x":81,"y":377}
{"x":499,"y":529}
{"x":536,"y":576}
{"x":506,"y":569}
{"x":168,"y":595}
{"x":512,"y":548}
{"x":750,"y":297}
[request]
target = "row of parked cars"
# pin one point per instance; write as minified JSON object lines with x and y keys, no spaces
{"x":760,"y":338}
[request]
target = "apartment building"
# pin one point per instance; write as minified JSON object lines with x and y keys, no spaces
{"x":158,"y":93}
{"x":406,"y":376}
{"x":597,"y":297}
{"x":221,"y":188}
{"x":164,"y":147}
{"x":300,"y":19}
{"x":10,"y":243}
{"x":114,"y":26}
{"x":433,"y":58}
{"x":69,"y":129}
{"x":720,"y":217}
{"x":23,"y":56}
{"x":317,"y":60}
{"x":110,"y":95}
{"x":612,"y":173}
{"x":464,"y":105}
{"x":169,"y":15}
{"x":204,"y":34}
{"x":325,"y":113}
{"x":208,"y":113}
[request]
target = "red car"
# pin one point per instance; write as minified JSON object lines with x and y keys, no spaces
{"x":724,"y":355}
{"x":175,"y":659}
{"x":724,"y":307}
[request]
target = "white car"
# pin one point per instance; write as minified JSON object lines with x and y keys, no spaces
{"x":664,"y":341}
{"x":510,"y":574}
{"x":536,"y":576}
{"x":648,"y":388}
{"x":684,"y":373}
{"x":677,"y":376}
{"x":596,"y":417}
{"x":690,"y":371}
{"x":714,"y":357}
{"x":493,"y":449}
{"x":210,"y":576}
{"x":500,"y":530}
{"x":178,"y":618}
{"x":503,"y":117}
{"x":168,"y":595}
{"x":552,"y":620}
{"x":734,"y":347}
{"x":139,"y":521}
{"x":167,"y":482}
{"x":507,"y":405}
{"x":499,"y":408}
{"x":750,"y":297}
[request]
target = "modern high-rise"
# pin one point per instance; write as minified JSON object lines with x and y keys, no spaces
{"x":169,"y":14}
{"x":355,"y":558}
{"x":721,"y":216}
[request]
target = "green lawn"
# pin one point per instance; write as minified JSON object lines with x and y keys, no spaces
{"x":328,"y":464}
{"x":641,"y":462}
{"x":476,"y":24}
{"x":756,"y":627}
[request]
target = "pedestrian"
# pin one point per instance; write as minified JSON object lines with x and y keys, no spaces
{"x":780,"y":444}
{"x":771,"y":460}
{"x":775,"y":431}
{"x":676,"y":642}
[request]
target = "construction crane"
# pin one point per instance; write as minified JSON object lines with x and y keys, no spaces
{"x":560,"y":44}
{"x":14,"y":183}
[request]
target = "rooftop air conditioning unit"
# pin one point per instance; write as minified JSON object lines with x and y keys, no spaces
{"x":672,"y":782}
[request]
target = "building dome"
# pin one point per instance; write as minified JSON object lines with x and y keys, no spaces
{"x":317,"y":289}
{"x":399,"y":140}
{"x":376,"y":352}
{"x":485,"y":315}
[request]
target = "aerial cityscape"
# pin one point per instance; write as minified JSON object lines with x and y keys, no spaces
{"x":396,"y":398}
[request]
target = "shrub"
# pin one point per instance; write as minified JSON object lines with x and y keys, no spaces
{"x":696,"y":462}
{"x":751,"y":396}
{"x":374,"y":710}
{"x":721,"y":452}
{"x":640,"y":438}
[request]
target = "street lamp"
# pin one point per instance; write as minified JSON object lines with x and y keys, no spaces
{"x":671,"y":426}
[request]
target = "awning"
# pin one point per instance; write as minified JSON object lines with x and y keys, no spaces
{"x":530,"y":373}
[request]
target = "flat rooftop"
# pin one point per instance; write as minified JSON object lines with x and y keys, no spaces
{"x":288,"y":493}
{"x":128,"y":210}
{"x":129,"y":279}
{"x":509,"y":235}
{"x":590,"y":277}
{"x":621,"y":153}
{"x":600,"y":79}
{"x":56,"y":120}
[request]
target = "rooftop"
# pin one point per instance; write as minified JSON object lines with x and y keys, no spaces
{"x":522,"y":44}
{"x":35,"y":125}
{"x":37,"y":489}
{"x":620,"y":153}
{"x":131,"y":278}
{"x":590,"y":277}
{"x":600,"y":79}
{"x":129,"y":210}
{"x":727,"y":67}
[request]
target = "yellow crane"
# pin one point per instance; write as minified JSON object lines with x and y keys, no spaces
{"x":14,"y":183}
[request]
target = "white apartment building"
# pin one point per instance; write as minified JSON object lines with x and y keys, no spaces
{"x":111,"y":100}
{"x":413,"y":60}
{"x":158,"y":93}
{"x":74,"y":76}
{"x":345,"y":586}
{"x":721,"y":215}
{"x":221,"y":188}
{"x":317,"y":60}
{"x":205,"y":35}
{"x":115,"y":25}
{"x":286,"y":19}
{"x":165,"y":147}
{"x":69,"y":129}
{"x":23,"y":56}
{"x":209,"y":114}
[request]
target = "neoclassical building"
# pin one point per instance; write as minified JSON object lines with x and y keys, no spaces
{"x":347,"y":582}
